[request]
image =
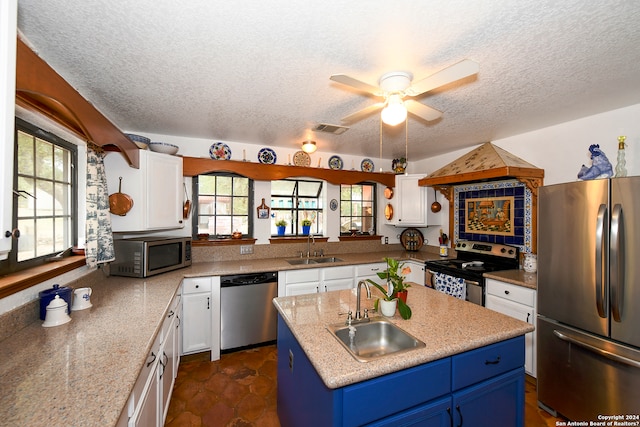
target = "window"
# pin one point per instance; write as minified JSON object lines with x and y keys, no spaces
{"x":295,"y":200}
{"x":357,"y":209}
{"x":44,"y":207}
{"x":224,"y":203}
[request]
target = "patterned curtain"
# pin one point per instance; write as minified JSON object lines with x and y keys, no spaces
{"x":99,"y":247}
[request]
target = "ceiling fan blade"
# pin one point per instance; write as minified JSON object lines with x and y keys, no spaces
{"x":462,"y":69}
{"x":356,"y":84}
{"x":358,"y":115}
{"x":423,"y":111}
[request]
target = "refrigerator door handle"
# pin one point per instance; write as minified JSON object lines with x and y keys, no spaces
{"x":604,"y":353}
{"x":617,"y":278}
{"x":601,"y":239}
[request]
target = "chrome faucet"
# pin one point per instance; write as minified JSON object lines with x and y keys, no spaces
{"x":310,"y":237}
{"x":359,"y":317}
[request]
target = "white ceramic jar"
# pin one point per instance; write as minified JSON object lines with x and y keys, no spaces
{"x":530,"y":264}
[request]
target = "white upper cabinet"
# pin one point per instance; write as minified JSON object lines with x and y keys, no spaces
{"x":156,"y":189}
{"x":411,"y":203}
{"x":8,"y":14}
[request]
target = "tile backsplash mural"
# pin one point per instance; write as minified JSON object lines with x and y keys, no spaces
{"x":494,"y":212}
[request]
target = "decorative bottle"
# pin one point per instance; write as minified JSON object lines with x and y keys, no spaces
{"x":621,"y":170}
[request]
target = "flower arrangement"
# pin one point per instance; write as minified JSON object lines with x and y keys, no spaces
{"x":281,"y":223}
{"x":394,"y":276}
{"x":306,"y":222}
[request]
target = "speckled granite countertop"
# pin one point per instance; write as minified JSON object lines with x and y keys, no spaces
{"x":447,"y":325}
{"x":82,"y":373}
{"x":515,"y":277}
{"x":281,"y":264}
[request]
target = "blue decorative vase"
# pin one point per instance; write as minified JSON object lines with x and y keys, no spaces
{"x":306,"y":229}
{"x":281,"y":230}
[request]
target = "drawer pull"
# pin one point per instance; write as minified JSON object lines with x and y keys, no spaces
{"x":506,"y":292}
{"x":152,"y":360}
{"x":459,"y":413}
{"x":197,"y":286}
{"x":492,"y":362}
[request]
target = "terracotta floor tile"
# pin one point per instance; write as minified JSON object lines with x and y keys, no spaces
{"x":240,"y":390}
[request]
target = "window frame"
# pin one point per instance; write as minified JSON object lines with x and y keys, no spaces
{"x":196,"y":210}
{"x":11,"y":264}
{"x":294,"y":228}
{"x":374,"y":204}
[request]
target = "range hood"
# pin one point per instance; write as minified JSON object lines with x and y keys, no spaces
{"x":486,"y":162}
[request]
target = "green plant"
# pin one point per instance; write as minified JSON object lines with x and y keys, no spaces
{"x":394,"y":277}
{"x":306,"y":222}
{"x":281,"y":223}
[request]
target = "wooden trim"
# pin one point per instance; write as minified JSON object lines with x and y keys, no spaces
{"x":355,"y":238}
{"x":40,"y":89}
{"x":193,"y":166}
{"x":505,"y":172}
{"x":24,"y":279}
{"x":295,"y":239}
{"x":224,"y":242}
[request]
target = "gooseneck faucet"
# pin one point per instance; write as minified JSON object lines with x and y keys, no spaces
{"x":310,"y":237}
{"x":366,"y":314}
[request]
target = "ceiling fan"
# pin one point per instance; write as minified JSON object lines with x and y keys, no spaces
{"x":395,"y":86}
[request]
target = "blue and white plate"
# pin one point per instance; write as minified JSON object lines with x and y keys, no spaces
{"x":267,"y":156}
{"x":220,"y":151}
{"x":335,"y":162}
{"x":366,"y":165}
{"x":163,"y":147}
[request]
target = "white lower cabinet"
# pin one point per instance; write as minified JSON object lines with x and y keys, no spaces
{"x":369,"y":271}
{"x":149,"y":401}
{"x":520,"y":303}
{"x":417,"y":274}
{"x":197,"y":308}
{"x":337,"y":278}
{"x":314,"y":280}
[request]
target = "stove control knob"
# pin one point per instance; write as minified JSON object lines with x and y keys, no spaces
{"x":503,"y":250}
{"x":510,"y":251}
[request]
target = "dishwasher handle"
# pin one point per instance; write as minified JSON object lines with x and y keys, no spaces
{"x":248,"y":279}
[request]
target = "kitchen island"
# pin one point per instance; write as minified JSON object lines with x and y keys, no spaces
{"x":472,"y":354}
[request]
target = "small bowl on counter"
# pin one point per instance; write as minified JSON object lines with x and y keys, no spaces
{"x":163,"y":147}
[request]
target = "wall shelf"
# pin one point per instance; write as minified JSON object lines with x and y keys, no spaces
{"x":193,"y":166}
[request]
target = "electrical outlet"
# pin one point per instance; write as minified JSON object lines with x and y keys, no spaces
{"x":386,"y":240}
{"x":246,"y":249}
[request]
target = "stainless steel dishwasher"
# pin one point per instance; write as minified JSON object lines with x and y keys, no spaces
{"x":247,"y":313}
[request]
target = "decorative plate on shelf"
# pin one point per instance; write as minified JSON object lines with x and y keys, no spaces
{"x":300,"y":158}
{"x":335,"y":162}
{"x":220,"y":151}
{"x":267,"y":156}
{"x":366,"y":165}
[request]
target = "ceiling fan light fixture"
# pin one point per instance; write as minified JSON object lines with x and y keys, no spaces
{"x":395,"y":112}
{"x":309,"y":146}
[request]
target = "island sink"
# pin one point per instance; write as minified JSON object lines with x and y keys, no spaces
{"x":373,"y":340}
{"x":327,"y":259}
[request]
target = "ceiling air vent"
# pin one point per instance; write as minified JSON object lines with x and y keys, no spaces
{"x":334,"y":129}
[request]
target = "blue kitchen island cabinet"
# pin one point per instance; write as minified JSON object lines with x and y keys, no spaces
{"x":479,"y":387}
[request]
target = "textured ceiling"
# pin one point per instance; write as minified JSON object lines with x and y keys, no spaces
{"x":258,"y":71}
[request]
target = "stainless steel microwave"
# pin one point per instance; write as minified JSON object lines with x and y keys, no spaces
{"x":146,"y":256}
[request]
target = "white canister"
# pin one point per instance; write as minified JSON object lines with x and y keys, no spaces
{"x":56,"y":313}
{"x":530,"y":264}
{"x":81,"y":299}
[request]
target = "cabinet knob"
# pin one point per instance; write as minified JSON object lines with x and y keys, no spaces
{"x":506,"y":292}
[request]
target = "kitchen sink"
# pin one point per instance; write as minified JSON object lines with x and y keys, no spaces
{"x":300,"y":261}
{"x":375,"y":339}
{"x":324,"y":260}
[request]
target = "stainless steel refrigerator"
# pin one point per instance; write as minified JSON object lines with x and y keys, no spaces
{"x":588,"y":329}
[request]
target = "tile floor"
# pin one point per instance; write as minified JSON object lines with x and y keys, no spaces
{"x":239,"y":390}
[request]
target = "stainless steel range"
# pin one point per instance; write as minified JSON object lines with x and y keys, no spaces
{"x":462,"y":276}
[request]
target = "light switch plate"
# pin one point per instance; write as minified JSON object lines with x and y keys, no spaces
{"x":246,"y":249}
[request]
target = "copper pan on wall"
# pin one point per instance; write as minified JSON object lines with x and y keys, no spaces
{"x":120,"y":203}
